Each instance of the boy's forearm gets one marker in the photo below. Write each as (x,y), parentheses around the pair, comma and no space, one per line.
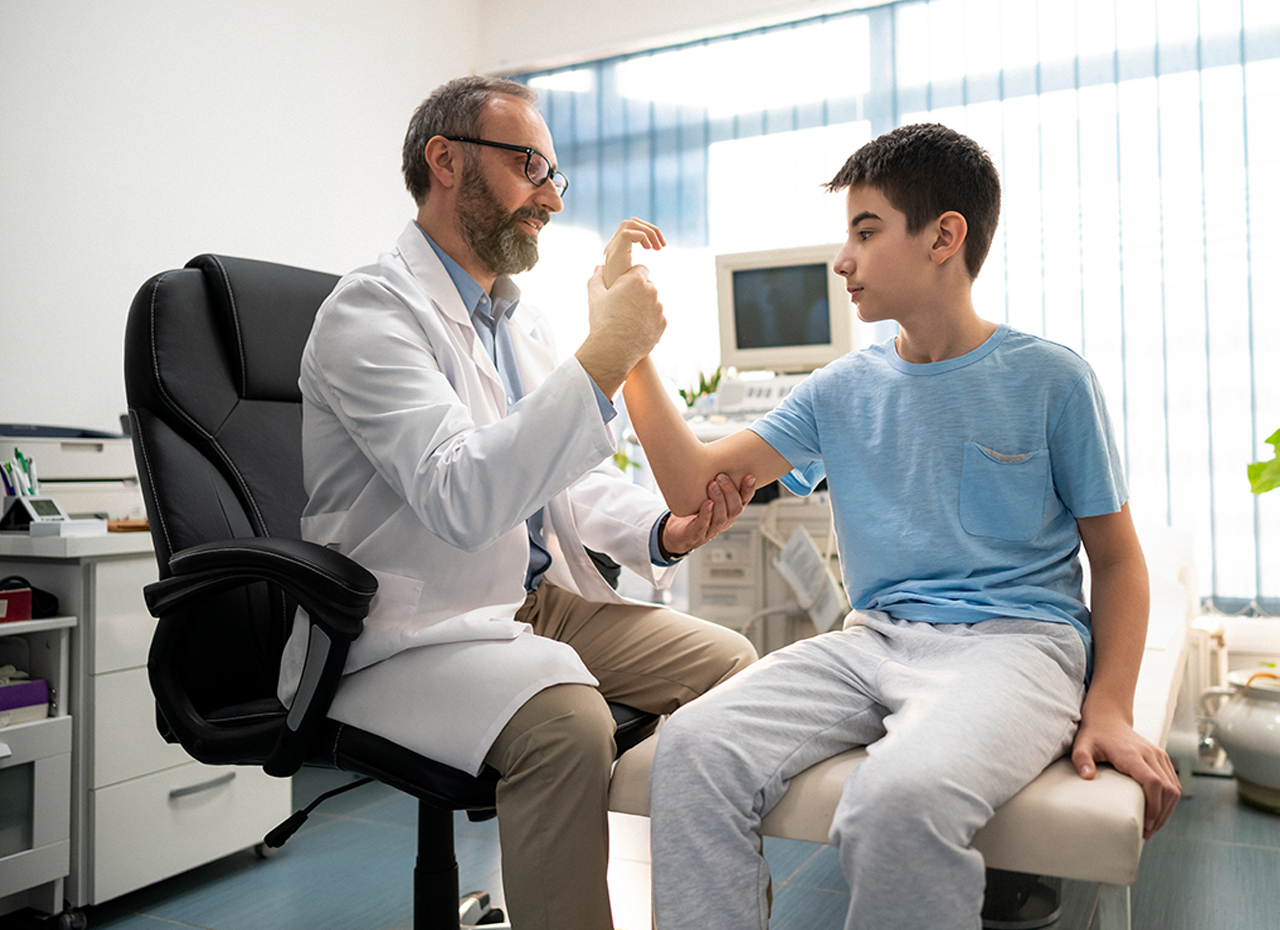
(678,459)
(1120,603)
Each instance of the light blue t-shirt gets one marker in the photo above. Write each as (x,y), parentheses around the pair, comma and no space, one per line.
(956,485)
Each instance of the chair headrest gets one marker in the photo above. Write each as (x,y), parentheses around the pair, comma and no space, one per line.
(264,312)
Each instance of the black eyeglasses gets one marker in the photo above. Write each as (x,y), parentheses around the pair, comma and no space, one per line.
(536,166)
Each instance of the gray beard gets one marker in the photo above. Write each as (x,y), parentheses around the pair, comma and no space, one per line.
(492,233)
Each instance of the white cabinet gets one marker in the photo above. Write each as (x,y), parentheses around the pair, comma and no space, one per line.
(141,809)
(35,780)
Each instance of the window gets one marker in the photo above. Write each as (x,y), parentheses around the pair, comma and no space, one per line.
(1140,158)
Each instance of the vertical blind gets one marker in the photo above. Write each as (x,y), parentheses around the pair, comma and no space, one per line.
(1138,147)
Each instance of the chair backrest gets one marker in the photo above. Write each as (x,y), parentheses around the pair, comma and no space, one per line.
(212,356)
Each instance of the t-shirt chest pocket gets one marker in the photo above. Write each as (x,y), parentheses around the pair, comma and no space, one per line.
(1002,494)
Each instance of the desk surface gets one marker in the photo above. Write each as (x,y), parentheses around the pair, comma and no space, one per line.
(20,545)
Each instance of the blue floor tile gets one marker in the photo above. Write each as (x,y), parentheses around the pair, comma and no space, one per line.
(799,908)
(1214,865)
(822,872)
(787,857)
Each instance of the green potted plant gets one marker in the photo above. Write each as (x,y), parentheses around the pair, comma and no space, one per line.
(707,386)
(1265,475)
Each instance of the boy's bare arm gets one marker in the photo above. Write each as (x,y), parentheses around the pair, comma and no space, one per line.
(1119,606)
(682,464)
(687,471)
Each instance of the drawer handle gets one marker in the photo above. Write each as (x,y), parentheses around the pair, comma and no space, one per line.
(202,786)
(5,751)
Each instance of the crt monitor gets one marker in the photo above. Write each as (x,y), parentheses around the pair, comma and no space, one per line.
(784,310)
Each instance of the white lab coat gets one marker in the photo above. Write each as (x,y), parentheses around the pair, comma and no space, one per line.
(416,468)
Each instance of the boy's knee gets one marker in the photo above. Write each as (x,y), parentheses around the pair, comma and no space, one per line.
(678,738)
(688,751)
(910,805)
(699,743)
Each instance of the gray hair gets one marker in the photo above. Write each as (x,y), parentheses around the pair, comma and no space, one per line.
(453,109)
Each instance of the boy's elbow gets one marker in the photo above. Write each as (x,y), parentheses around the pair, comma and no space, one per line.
(683,498)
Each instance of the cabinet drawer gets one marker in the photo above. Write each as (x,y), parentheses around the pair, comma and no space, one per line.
(150,828)
(122,627)
(126,743)
(35,803)
(24,742)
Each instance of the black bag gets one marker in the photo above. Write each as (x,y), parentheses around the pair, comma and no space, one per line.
(43,604)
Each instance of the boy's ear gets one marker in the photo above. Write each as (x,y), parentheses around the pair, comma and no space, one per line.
(443,160)
(951,230)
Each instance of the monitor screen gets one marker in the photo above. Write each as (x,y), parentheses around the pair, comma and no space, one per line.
(784,310)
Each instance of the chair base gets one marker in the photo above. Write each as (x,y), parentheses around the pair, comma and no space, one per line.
(435,881)
(1016,901)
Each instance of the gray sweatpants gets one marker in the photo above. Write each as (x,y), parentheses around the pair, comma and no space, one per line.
(957,718)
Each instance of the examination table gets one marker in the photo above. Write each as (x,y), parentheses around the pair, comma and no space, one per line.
(1058,825)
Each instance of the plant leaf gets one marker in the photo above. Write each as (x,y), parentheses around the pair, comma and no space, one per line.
(1264,476)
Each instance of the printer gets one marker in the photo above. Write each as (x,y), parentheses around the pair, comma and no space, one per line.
(90,473)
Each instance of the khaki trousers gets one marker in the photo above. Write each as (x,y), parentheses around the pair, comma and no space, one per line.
(556,752)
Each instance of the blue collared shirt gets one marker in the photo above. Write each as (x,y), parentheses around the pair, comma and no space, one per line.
(491,317)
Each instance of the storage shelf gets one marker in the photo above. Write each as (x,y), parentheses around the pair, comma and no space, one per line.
(18,627)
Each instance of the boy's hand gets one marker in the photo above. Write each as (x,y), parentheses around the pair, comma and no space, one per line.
(1116,742)
(617,254)
(723,505)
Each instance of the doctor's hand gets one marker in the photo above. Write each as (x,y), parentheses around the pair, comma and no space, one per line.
(626,321)
(617,254)
(723,505)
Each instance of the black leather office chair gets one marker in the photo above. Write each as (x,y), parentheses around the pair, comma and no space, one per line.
(212,354)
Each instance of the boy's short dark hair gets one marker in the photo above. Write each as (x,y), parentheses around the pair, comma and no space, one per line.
(925,170)
(453,109)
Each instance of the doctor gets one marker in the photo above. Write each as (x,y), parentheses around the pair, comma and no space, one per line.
(448,450)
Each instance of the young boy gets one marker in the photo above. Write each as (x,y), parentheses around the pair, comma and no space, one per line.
(966,463)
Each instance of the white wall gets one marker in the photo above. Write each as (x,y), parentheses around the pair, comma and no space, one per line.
(135,134)
(519,35)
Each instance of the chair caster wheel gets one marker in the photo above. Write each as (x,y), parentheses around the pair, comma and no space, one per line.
(474,910)
(70,919)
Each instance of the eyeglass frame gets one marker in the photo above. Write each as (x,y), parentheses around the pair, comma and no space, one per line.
(529,151)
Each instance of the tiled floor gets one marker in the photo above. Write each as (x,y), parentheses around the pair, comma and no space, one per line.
(1215,866)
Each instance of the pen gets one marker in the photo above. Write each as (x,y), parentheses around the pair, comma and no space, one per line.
(25,464)
(15,478)
(8,488)
(31,473)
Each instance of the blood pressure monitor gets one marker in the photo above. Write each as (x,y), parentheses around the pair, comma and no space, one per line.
(21,512)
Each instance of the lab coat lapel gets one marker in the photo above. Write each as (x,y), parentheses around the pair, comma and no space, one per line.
(427,268)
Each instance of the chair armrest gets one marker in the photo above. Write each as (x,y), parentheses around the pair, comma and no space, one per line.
(333,590)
